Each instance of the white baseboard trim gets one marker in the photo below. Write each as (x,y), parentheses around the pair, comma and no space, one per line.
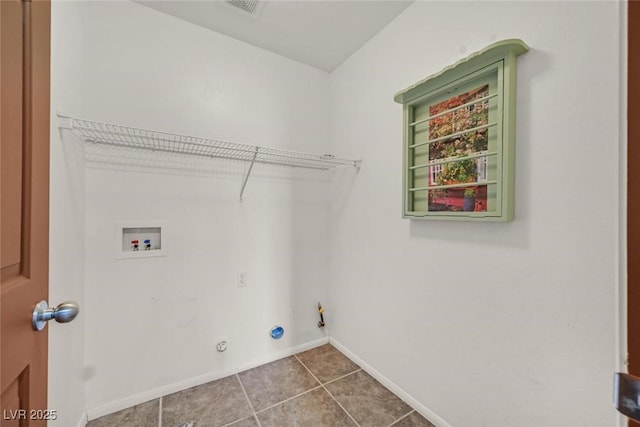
(83,420)
(139,398)
(406,397)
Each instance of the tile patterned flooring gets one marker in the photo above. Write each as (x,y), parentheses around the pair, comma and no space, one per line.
(315,388)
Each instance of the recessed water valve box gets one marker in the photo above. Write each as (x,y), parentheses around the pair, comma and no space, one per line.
(134,240)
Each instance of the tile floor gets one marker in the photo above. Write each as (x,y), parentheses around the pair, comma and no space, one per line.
(315,388)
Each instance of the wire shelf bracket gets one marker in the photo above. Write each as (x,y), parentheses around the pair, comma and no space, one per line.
(94,132)
(246,177)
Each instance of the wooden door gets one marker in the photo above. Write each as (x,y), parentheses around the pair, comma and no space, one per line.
(24,208)
(633,191)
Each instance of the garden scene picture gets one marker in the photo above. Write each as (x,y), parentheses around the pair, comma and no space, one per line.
(467,125)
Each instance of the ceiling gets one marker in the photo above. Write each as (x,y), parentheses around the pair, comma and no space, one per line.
(322,34)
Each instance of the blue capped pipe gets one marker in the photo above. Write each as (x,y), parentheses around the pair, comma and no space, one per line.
(276,332)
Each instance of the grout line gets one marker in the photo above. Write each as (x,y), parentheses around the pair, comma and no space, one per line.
(344,376)
(343,408)
(328,392)
(290,398)
(308,370)
(320,385)
(253,411)
(234,422)
(297,395)
(402,418)
(160,412)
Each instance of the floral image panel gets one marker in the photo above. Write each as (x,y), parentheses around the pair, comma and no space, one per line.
(468,199)
(462,118)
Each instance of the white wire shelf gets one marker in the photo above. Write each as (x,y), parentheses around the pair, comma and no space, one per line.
(124,136)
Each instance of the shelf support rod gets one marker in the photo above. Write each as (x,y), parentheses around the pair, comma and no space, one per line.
(246,178)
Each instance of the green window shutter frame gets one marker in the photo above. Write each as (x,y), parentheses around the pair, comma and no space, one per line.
(489,75)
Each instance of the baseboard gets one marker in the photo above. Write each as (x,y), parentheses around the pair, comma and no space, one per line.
(406,397)
(202,379)
(83,420)
(139,398)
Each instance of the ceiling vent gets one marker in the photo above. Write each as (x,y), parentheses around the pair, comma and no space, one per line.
(251,7)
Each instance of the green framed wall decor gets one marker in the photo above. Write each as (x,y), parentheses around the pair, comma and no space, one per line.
(459,138)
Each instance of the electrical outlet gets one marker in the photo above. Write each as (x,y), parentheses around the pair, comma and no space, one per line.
(242,280)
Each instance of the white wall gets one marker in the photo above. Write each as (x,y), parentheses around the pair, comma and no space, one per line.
(487,324)
(67,210)
(152,324)
(483,324)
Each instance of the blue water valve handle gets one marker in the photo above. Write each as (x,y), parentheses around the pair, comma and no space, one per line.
(147,245)
(277,332)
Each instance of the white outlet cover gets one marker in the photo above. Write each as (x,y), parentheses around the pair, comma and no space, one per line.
(243,280)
